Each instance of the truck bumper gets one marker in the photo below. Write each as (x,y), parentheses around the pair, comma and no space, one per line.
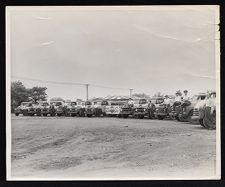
(89,112)
(195,118)
(140,113)
(58,111)
(125,113)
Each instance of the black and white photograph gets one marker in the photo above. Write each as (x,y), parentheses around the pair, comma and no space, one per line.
(113,92)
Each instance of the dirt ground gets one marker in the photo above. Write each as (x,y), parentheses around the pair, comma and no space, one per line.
(110,148)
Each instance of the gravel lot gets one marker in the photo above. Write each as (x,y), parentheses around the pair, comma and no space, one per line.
(110,148)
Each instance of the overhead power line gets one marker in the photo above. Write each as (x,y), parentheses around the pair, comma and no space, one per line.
(68,83)
(51,82)
(99,86)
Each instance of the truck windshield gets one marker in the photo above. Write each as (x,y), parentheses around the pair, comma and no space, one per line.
(58,104)
(26,104)
(142,101)
(159,101)
(201,97)
(115,104)
(105,103)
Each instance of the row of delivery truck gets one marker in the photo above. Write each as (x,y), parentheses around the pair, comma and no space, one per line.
(200,109)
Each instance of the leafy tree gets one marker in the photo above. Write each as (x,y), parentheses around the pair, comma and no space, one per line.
(38,93)
(158,94)
(56,99)
(19,93)
(141,95)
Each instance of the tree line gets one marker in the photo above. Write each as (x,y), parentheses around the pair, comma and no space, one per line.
(19,94)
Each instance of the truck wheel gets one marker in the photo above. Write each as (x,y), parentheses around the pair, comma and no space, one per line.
(125,116)
(59,115)
(17,114)
(45,114)
(183,119)
(160,117)
(177,118)
(141,117)
(209,119)
(73,115)
(201,123)
(89,115)
(81,113)
(98,112)
(150,116)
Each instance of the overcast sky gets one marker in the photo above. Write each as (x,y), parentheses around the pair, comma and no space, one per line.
(151,49)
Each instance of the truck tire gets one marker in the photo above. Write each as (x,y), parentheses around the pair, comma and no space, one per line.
(81,113)
(141,117)
(160,117)
(98,112)
(25,113)
(125,115)
(209,119)
(45,114)
(183,119)
(89,115)
(201,123)
(177,118)
(17,114)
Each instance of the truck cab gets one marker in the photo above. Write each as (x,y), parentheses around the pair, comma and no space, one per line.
(89,109)
(45,108)
(25,108)
(57,107)
(140,108)
(125,109)
(198,104)
(71,109)
(113,109)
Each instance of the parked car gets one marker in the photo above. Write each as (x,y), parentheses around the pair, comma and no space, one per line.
(104,103)
(207,113)
(99,108)
(18,110)
(89,109)
(188,107)
(44,108)
(57,108)
(198,102)
(26,108)
(71,109)
(114,108)
(154,106)
(163,110)
(125,110)
(140,108)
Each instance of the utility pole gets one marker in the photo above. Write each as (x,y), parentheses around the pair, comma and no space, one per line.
(131,90)
(86,91)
